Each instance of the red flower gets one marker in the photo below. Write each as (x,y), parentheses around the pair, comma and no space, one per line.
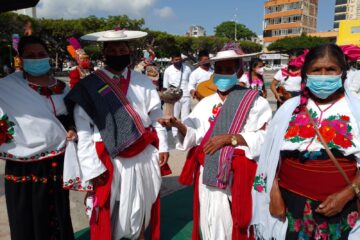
(15,179)
(42,154)
(54,164)
(345,118)
(70,181)
(342,141)
(352,218)
(77,179)
(23,179)
(33,178)
(292,132)
(10,156)
(3,124)
(307,131)
(328,133)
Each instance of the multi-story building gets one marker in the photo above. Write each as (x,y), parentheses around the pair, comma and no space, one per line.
(284,18)
(196,31)
(346,10)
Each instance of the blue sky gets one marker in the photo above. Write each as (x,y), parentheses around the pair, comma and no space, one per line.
(175,16)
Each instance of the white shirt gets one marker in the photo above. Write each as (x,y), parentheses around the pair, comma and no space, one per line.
(172,77)
(335,117)
(198,124)
(198,76)
(245,79)
(291,84)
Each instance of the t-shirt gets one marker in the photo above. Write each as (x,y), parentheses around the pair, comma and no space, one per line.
(172,77)
(198,76)
(352,82)
(291,84)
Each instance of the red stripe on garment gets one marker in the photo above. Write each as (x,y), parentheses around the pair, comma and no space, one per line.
(122,98)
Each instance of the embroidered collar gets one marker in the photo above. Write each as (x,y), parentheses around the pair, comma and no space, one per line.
(57,88)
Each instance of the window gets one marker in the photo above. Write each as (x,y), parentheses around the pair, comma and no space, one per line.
(355,29)
(336,25)
(339,2)
(340,17)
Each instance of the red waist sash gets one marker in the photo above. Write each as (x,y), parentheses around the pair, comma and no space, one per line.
(315,179)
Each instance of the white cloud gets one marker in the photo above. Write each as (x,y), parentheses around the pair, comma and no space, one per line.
(165,12)
(82,8)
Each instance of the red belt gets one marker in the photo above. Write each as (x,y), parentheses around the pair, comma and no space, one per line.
(315,179)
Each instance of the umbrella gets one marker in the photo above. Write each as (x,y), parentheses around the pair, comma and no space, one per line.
(6,5)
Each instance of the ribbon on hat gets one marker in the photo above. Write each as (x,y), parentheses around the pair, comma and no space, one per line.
(352,52)
(299,61)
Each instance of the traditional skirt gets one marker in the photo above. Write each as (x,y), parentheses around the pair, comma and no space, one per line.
(38,207)
(304,186)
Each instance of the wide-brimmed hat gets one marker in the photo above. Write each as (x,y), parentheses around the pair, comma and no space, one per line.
(230,51)
(114,35)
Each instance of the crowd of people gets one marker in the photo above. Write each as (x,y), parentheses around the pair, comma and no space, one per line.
(293,175)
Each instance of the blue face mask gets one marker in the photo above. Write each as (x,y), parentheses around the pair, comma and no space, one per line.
(36,67)
(322,86)
(225,82)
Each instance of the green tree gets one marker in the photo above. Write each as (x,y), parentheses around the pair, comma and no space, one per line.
(294,44)
(227,30)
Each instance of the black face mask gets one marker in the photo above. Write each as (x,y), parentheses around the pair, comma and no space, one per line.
(117,63)
(178,64)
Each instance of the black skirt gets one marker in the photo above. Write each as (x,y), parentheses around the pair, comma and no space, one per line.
(38,207)
(306,224)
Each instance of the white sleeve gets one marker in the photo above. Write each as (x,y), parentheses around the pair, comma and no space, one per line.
(155,112)
(254,130)
(166,78)
(278,76)
(192,81)
(244,79)
(91,166)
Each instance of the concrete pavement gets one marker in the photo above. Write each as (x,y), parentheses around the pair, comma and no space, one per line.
(79,220)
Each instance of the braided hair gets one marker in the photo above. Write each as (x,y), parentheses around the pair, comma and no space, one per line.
(331,50)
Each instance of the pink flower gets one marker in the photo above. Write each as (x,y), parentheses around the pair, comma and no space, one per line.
(352,218)
(309,226)
(302,119)
(297,225)
(340,126)
(259,188)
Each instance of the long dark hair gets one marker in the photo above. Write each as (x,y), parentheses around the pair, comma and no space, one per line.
(253,63)
(315,53)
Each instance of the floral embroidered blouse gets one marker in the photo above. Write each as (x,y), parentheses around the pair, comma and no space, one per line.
(336,124)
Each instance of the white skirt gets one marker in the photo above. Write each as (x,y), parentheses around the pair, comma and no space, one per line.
(135,187)
(215,212)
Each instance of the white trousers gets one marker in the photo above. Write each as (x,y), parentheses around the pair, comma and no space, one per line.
(181,111)
(215,212)
(135,187)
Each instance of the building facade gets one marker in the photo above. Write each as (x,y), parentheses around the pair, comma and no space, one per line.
(349,32)
(196,31)
(284,18)
(346,10)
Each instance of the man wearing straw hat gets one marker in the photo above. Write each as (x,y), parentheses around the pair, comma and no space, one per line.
(116,111)
(225,132)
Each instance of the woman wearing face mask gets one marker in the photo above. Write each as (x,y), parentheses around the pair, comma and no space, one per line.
(225,132)
(287,81)
(33,123)
(318,202)
(254,78)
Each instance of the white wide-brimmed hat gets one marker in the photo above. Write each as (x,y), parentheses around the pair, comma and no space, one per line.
(230,51)
(114,35)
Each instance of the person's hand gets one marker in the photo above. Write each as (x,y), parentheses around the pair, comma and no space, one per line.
(217,142)
(278,98)
(71,135)
(264,94)
(101,179)
(163,158)
(169,121)
(335,203)
(193,93)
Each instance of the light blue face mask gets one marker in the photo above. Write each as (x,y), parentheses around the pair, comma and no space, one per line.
(322,86)
(36,67)
(225,82)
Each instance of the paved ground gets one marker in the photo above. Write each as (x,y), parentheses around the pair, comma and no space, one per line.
(170,185)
